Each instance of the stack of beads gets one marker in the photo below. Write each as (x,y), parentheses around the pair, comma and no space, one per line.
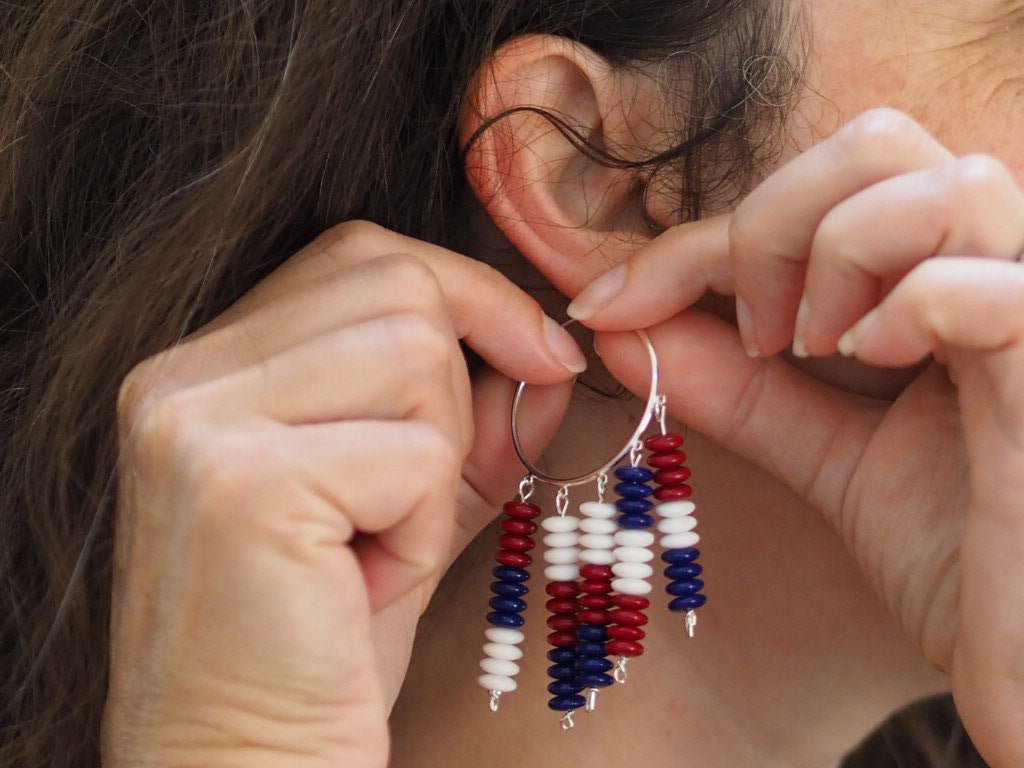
(501,651)
(677,525)
(562,572)
(597,542)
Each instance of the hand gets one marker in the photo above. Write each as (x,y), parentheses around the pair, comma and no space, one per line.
(295,476)
(881,224)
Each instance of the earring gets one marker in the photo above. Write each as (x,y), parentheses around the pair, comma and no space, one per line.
(597,564)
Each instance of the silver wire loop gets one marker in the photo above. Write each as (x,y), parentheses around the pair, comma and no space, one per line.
(562,501)
(567,722)
(690,622)
(540,476)
(602,486)
(495,700)
(526,488)
(621,674)
(636,453)
(661,413)
(592,699)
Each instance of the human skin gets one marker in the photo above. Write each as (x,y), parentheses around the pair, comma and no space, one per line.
(796,657)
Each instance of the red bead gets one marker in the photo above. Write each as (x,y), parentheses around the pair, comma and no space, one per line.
(666,460)
(667,442)
(632,634)
(597,587)
(521,510)
(632,602)
(519,527)
(516,543)
(515,559)
(596,572)
(563,639)
(562,605)
(673,492)
(563,623)
(672,476)
(597,602)
(623,648)
(562,588)
(628,618)
(595,617)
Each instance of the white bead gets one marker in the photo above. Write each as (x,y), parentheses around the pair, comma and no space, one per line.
(598,526)
(504,635)
(632,570)
(503,651)
(598,509)
(497,683)
(633,555)
(631,586)
(562,556)
(680,540)
(634,538)
(597,556)
(597,541)
(677,524)
(556,524)
(562,572)
(499,667)
(676,508)
(567,539)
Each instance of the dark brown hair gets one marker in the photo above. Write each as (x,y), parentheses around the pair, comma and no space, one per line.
(158,159)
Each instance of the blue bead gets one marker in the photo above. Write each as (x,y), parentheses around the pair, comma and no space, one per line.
(683,571)
(595,680)
(633,490)
(567,703)
(562,672)
(510,620)
(636,521)
(684,588)
(564,688)
(594,665)
(511,574)
(587,648)
(562,656)
(507,604)
(634,506)
(687,555)
(634,474)
(505,589)
(687,603)
(592,632)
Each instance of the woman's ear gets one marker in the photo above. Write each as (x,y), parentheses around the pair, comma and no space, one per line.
(571,215)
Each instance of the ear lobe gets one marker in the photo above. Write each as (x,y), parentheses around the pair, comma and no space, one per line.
(571,215)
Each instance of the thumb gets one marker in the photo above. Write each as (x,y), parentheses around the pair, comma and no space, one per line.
(492,470)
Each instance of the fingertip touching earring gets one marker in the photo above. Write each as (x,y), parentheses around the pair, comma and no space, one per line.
(597,563)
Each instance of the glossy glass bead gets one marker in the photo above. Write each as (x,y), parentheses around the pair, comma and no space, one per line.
(624,648)
(673,476)
(563,623)
(673,492)
(521,510)
(595,617)
(515,559)
(507,604)
(592,571)
(667,442)
(518,527)
(562,656)
(627,618)
(684,588)
(564,688)
(676,556)
(595,680)
(562,605)
(666,460)
(567,703)
(508,573)
(683,571)
(562,639)
(687,603)
(562,588)
(589,648)
(593,632)
(634,506)
(500,619)
(562,672)
(506,589)
(634,474)
(597,587)
(597,602)
(632,602)
(516,543)
(633,490)
(632,634)
(594,664)
(636,521)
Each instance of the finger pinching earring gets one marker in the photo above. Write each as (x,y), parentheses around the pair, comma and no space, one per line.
(597,564)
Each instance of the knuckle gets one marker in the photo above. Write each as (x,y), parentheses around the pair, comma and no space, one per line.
(877,130)
(743,232)
(407,274)
(225,471)
(980,175)
(832,242)
(435,450)
(352,234)
(416,339)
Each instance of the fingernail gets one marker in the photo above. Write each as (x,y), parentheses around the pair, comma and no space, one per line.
(800,331)
(850,340)
(745,321)
(564,347)
(598,294)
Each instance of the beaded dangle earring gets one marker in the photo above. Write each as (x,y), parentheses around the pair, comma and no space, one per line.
(597,565)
